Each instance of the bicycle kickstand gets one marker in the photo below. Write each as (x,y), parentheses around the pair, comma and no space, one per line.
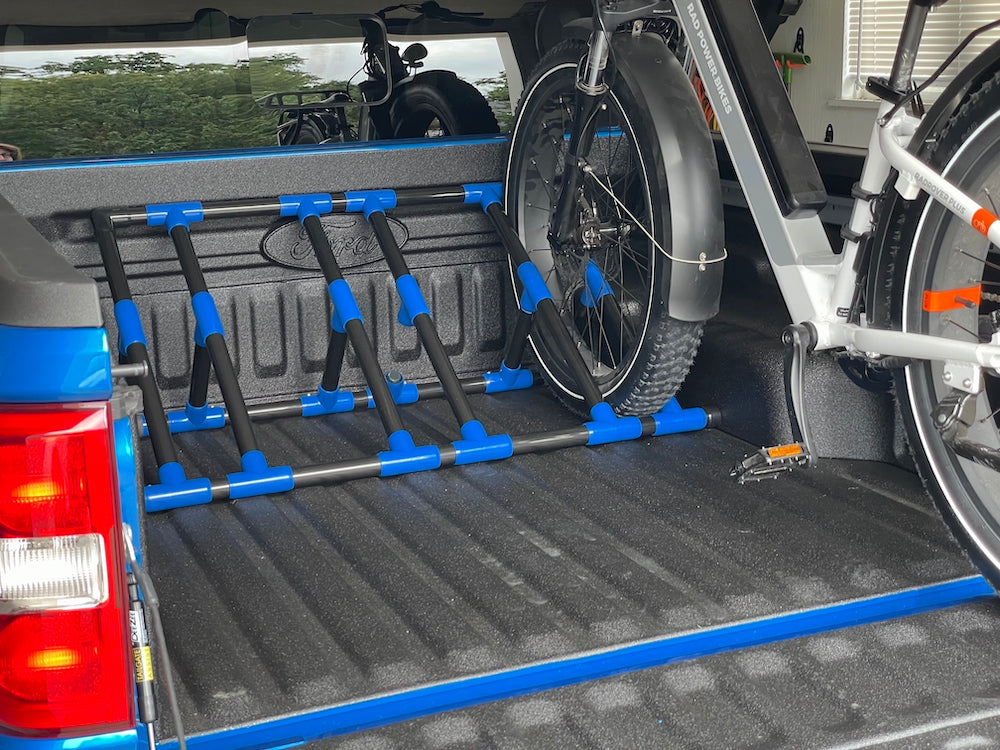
(769,462)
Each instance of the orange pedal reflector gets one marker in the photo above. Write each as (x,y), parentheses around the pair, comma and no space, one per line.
(784,451)
(981,220)
(952,299)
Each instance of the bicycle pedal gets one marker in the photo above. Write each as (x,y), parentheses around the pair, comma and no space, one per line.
(768,463)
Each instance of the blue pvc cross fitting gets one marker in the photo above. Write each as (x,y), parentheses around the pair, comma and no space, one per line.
(508,379)
(412,298)
(608,427)
(345,306)
(535,288)
(476,446)
(129,325)
(485,193)
(595,285)
(175,490)
(257,478)
(672,418)
(326,402)
(404,457)
(311,204)
(207,316)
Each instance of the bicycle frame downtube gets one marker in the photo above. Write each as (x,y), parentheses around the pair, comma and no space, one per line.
(798,248)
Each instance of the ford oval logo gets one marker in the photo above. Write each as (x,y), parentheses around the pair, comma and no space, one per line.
(351,237)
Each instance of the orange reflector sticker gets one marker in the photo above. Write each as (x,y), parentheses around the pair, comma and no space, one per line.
(783,451)
(952,299)
(981,220)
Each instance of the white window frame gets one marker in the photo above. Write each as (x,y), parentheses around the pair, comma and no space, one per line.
(878,29)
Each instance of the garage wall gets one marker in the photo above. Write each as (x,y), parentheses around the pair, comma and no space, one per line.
(816,90)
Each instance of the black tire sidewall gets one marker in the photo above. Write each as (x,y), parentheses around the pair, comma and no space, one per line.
(562,61)
(459,107)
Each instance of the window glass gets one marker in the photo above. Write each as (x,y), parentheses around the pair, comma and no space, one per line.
(873,28)
(168,89)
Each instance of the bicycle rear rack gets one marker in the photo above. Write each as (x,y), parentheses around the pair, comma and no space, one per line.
(384,393)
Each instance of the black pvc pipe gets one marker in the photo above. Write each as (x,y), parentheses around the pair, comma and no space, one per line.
(355,330)
(322,248)
(425,326)
(363,468)
(547,314)
(335,351)
(201,370)
(222,362)
(420,196)
(518,340)
(136,353)
(152,408)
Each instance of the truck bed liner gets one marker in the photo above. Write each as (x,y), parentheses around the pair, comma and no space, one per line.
(329,595)
(327,598)
(925,682)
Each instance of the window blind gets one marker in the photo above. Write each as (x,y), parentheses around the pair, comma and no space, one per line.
(873,28)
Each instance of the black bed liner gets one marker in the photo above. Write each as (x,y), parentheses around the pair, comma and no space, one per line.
(277,605)
(924,682)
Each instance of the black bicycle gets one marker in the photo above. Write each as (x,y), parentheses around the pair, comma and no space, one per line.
(397,100)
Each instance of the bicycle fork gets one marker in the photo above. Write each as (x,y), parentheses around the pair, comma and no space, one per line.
(587,102)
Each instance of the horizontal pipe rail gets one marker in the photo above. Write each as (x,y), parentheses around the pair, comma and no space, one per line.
(673,419)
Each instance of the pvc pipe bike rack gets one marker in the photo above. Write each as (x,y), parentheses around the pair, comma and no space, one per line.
(385,391)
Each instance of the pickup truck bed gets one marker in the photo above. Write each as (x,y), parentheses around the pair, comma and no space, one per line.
(330,596)
(358,606)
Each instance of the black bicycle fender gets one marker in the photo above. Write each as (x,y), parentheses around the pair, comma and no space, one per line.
(968,78)
(579,28)
(693,285)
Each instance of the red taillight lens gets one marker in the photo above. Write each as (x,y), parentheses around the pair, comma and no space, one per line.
(64,653)
(47,471)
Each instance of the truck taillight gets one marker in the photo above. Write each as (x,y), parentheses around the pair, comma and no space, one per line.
(64,647)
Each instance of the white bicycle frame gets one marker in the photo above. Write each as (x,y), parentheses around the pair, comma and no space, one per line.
(816,283)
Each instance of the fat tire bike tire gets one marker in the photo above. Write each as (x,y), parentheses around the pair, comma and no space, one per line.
(439,104)
(637,353)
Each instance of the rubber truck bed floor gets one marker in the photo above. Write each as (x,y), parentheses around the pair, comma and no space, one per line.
(325,596)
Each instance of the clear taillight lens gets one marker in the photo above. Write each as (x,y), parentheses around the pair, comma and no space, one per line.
(55,572)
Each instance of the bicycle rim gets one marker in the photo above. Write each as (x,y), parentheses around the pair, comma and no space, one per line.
(607,287)
(949,260)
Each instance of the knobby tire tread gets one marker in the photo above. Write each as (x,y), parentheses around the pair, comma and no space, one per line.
(669,347)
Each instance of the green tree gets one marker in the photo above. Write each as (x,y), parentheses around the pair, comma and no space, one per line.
(141,103)
(497,93)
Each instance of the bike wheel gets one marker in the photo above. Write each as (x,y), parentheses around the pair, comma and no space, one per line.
(939,254)
(637,354)
(436,104)
(309,131)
